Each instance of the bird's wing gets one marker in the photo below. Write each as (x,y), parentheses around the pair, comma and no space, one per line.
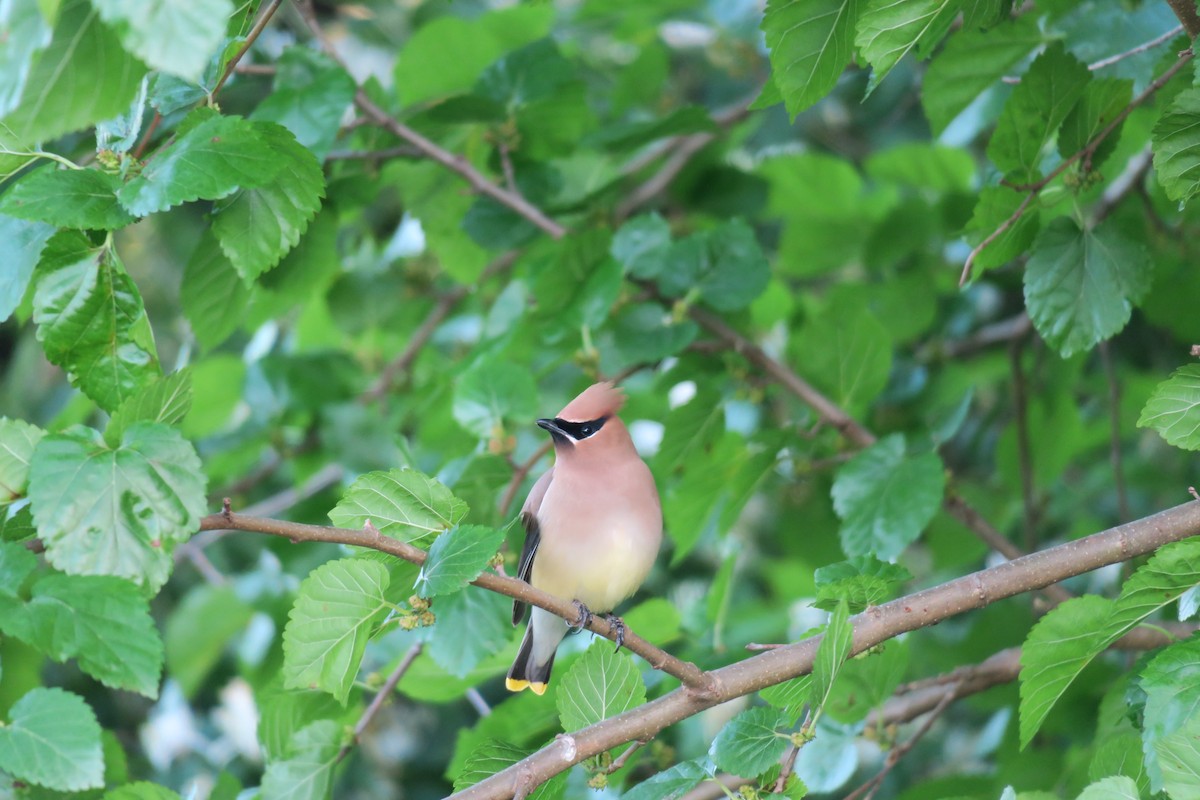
(533,536)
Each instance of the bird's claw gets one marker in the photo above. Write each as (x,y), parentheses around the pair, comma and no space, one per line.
(618,625)
(581,621)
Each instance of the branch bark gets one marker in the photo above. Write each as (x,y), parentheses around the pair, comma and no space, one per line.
(872,627)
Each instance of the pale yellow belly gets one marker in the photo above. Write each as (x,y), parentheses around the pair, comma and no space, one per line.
(599,569)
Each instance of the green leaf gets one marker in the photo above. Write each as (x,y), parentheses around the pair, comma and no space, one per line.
(447,55)
(214,297)
(669,784)
(143,790)
(167,400)
(21,244)
(17,563)
(1035,110)
(457,557)
(173,36)
(212,157)
(1174,408)
(831,654)
(600,684)
(1057,649)
(791,696)
(102,622)
(1116,787)
(309,98)
(1070,636)
(641,245)
(861,582)
(750,743)
(471,625)
(996,205)
(17,442)
(403,504)
(631,135)
(924,166)
(972,62)
(1171,682)
(256,227)
(885,498)
(82,77)
(307,772)
(846,351)
(193,650)
(52,739)
(103,511)
(285,713)
(867,681)
(1080,286)
(91,321)
(492,756)
(647,332)
(724,265)
(1179,757)
(526,75)
(67,198)
(25,31)
(1176,143)
(1100,104)
(887,30)
(656,620)
(338,606)
(811,42)
(493,395)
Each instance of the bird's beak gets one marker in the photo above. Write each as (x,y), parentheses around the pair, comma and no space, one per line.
(556,432)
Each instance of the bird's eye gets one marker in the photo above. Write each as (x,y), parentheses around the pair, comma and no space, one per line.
(586,430)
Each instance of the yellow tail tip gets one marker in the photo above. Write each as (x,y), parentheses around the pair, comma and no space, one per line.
(515,685)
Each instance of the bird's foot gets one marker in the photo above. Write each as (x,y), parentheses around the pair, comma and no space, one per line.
(618,625)
(581,622)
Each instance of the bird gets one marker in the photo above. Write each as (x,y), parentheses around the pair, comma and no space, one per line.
(593,526)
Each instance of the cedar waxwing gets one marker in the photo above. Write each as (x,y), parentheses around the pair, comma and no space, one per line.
(593,524)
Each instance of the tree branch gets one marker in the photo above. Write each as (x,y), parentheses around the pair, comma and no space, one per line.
(873,626)
(1185,10)
(1085,153)
(251,38)
(429,149)
(696,681)
(381,697)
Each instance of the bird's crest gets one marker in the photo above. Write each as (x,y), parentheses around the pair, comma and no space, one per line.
(596,401)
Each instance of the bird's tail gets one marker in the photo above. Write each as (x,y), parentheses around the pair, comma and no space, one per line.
(526,673)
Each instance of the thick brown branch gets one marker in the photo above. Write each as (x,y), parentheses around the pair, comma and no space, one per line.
(690,675)
(872,627)
(1185,10)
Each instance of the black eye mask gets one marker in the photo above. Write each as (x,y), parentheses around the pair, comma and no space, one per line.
(572,431)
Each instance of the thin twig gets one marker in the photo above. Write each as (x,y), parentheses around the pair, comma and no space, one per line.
(144,142)
(1085,153)
(380,698)
(420,337)
(1001,332)
(400,151)
(506,167)
(478,703)
(697,681)
(263,18)
(430,149)
(622,759)
(868,789)
(519,475)
(1114,420)
(1024,451)
(1110,60)
(1185,10)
